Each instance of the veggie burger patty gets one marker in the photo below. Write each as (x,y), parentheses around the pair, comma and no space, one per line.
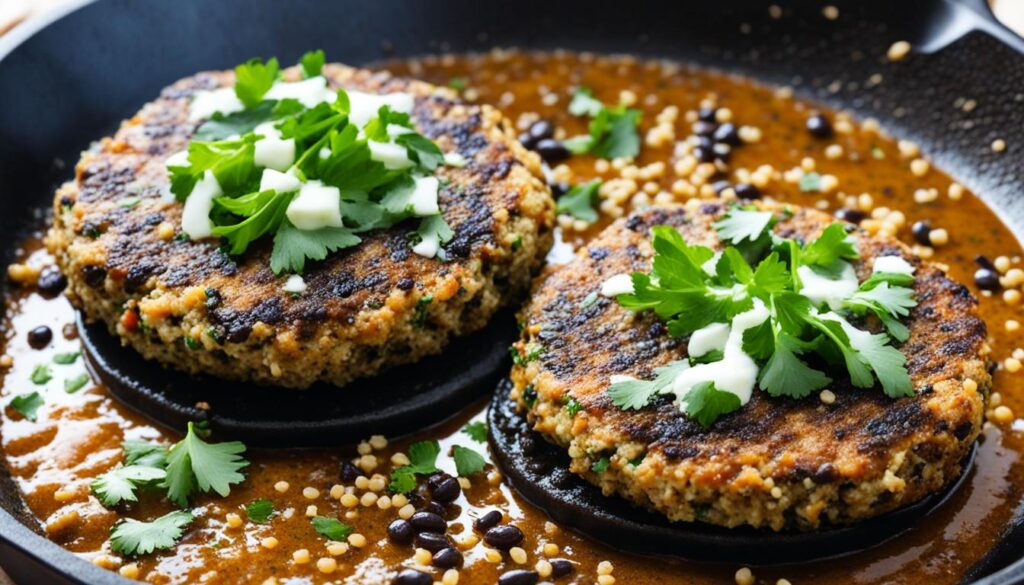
(775,462)
(190,305)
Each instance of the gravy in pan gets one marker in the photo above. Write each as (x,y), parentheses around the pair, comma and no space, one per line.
(78,435)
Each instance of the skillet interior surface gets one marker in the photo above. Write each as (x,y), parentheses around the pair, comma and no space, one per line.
(75,79)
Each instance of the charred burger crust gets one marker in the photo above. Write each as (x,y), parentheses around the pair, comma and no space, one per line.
(861,456)
(497,205)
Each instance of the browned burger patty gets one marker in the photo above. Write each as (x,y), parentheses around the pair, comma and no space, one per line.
(189,305)
(777,463)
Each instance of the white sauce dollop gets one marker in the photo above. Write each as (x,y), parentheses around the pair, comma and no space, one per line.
(429,246)
(278,181)
(310,92)
(271,151)
(822,289)
(393,156)
(195,217)
(708,339)
(892,264)
(294,285)
(364,106)
(620,284)
(736,372)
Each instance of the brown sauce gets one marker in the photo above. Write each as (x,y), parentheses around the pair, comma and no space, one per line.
(78,435)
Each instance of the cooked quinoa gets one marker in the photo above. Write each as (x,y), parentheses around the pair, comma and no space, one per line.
(778,463)
(190,306)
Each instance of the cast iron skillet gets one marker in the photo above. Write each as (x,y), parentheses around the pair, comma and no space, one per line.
(66,81)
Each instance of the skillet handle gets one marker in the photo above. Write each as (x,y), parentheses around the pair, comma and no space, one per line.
(952,19)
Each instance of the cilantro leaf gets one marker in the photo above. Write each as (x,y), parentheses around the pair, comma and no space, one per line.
(612,130)
(476,431)
(786,374)
(259,511)
(422,461)
(132,537)
(421,150)
(195,464)
(312,63)
(144,453)
(887,303)
(467,461)
(331,528)
(232,162)
(119,484)
(601,465)
(41,374)
(28,405)
(268,216)
(705,403)
(742,224)
(66,358)
(292,246)
(888,363)
(72,385)
(221,126)
(579,201)
(584,103)
(636,394)
(254,78)
(833,244)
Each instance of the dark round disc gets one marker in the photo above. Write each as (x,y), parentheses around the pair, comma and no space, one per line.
(399,401)
(539,471)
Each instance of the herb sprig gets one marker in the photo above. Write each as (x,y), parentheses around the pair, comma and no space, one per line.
(612,132)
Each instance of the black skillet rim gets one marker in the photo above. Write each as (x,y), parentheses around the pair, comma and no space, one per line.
(45,556)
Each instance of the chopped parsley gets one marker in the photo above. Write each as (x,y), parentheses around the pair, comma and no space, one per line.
(601,465)
(612,132)
(144,453)
(41,374)
(195,464)
(331,528)
(132,537)
(421,310)
(533,352)
(579,201)
(66,358)
(28,405)
(422,461)
(691,287)
(467,461)
(76,383)
(530,396)
(476,431)
(330,152)
(259,511)
(573,407)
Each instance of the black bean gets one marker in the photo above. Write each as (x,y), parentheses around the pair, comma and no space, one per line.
(559,189)
(707,114)
(518,577)
(705,141)
(349,472)
(40,337)
(447,558)
(728,134)
(428,522)
(487,521)
(446,490)
(854,216)
(503,537)
(921,231)
(702,128)
(746,191)
(552,150)
(541,129)
(528,142)
(432,541)
(984,262)
(94,275)
(560,567)
(986,279)
(401,532)
(720,186)
(819,126)
(413,577)
(51,281)
(435,508)
(704,155)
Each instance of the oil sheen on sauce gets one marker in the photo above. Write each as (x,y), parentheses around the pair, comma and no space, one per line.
(78,435)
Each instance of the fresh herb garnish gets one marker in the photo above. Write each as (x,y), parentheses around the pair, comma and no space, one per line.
(691,286)
(144,453)
(810,183)
(601,465)
(76,383)
(579,201)
(612,132)
(476,431)
(331,528)
(119,484)
(467,461)
(533,352)
(132,537)
(28,405)
(259,511)
(66,358)
(422,461)
(195,464)
(313,63)
(573,407)
(254,78)
(41,374)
